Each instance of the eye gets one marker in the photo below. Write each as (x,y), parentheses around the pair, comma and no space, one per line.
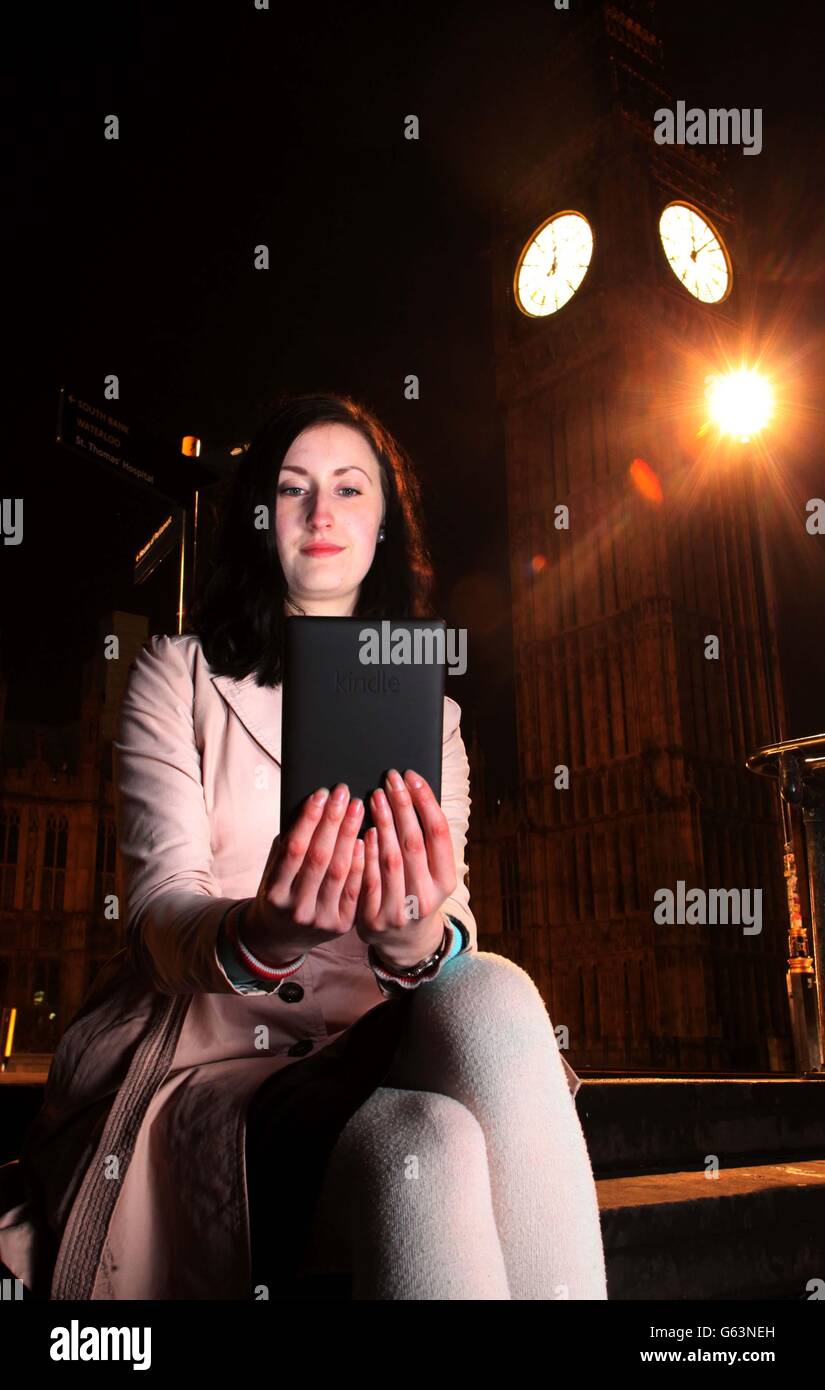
(295,487)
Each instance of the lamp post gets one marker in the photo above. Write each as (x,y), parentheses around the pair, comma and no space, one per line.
(221,462)
(741,406)
(799,767)
(188,553)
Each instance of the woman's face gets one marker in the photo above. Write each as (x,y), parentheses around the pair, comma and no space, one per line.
(328,494)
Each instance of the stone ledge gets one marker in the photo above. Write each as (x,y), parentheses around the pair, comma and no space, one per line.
(754,1232)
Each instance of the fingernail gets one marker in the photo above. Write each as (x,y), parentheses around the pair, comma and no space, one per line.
(413,779)
(356,805)
(321,795)
(339,794)
(395,779)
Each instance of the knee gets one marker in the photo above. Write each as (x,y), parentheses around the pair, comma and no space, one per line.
(397,1134)
(487,994)
(488,976)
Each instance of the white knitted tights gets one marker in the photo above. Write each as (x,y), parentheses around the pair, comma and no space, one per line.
(467,1177)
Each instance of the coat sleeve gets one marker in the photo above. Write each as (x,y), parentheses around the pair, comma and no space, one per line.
(173,907)
(455,803)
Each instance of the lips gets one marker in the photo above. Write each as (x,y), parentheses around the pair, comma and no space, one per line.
(321,549)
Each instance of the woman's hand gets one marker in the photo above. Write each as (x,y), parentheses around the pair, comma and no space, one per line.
(308,892)
(400,862)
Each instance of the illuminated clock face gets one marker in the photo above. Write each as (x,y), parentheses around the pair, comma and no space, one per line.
(553,264)
(696,253)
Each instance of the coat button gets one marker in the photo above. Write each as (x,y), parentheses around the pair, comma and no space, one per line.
(290,992)
(300,1049)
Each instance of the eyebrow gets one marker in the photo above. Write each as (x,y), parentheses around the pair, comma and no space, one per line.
(346,469)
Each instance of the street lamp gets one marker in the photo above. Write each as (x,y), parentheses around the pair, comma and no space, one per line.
(741,405)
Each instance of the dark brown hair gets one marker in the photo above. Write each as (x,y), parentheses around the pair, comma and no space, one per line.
(238,611)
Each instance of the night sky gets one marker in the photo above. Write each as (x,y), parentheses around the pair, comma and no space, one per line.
(240,127)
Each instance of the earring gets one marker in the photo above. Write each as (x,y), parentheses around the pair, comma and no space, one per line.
(382,535)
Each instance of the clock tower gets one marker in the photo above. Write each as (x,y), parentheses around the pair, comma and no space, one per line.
(637,625)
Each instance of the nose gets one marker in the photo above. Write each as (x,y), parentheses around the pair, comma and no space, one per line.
(319,515)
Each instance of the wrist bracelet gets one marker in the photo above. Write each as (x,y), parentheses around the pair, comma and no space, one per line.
(258,967)
(412,974)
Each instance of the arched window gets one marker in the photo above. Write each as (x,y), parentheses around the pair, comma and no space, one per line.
(105,860)
(9,851)
(510,905)
(54,863)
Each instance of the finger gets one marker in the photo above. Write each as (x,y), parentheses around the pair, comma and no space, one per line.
(332,885)
(287,853)
(352,887)
(390,859)
(436,827)
(417,879)
(317,857)
(369,904)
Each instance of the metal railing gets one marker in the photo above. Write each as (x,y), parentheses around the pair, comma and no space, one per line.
(798,764)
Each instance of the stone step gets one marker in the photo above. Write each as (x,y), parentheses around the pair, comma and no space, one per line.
(636,1125)
(752,1232)
(630,1127)
(757,1230)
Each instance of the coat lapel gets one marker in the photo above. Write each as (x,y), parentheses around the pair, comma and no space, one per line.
(258,707)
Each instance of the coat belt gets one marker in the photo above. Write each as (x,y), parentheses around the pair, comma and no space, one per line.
(81,1248)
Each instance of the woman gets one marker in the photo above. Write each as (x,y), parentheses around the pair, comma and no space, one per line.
(281,1076)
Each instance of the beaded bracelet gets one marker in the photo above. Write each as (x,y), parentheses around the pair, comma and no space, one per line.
(258,967)
(452,944)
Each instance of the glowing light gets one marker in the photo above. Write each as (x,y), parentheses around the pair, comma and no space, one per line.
(740,403)
(645,480)
(190,446)
(152,539)
(553,264)
(696,252)
(538,563)
(9,1040)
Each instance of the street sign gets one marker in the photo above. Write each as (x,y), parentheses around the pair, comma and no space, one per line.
(97,431)
(165,539)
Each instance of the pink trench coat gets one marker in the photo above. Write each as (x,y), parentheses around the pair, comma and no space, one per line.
(133,1178)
